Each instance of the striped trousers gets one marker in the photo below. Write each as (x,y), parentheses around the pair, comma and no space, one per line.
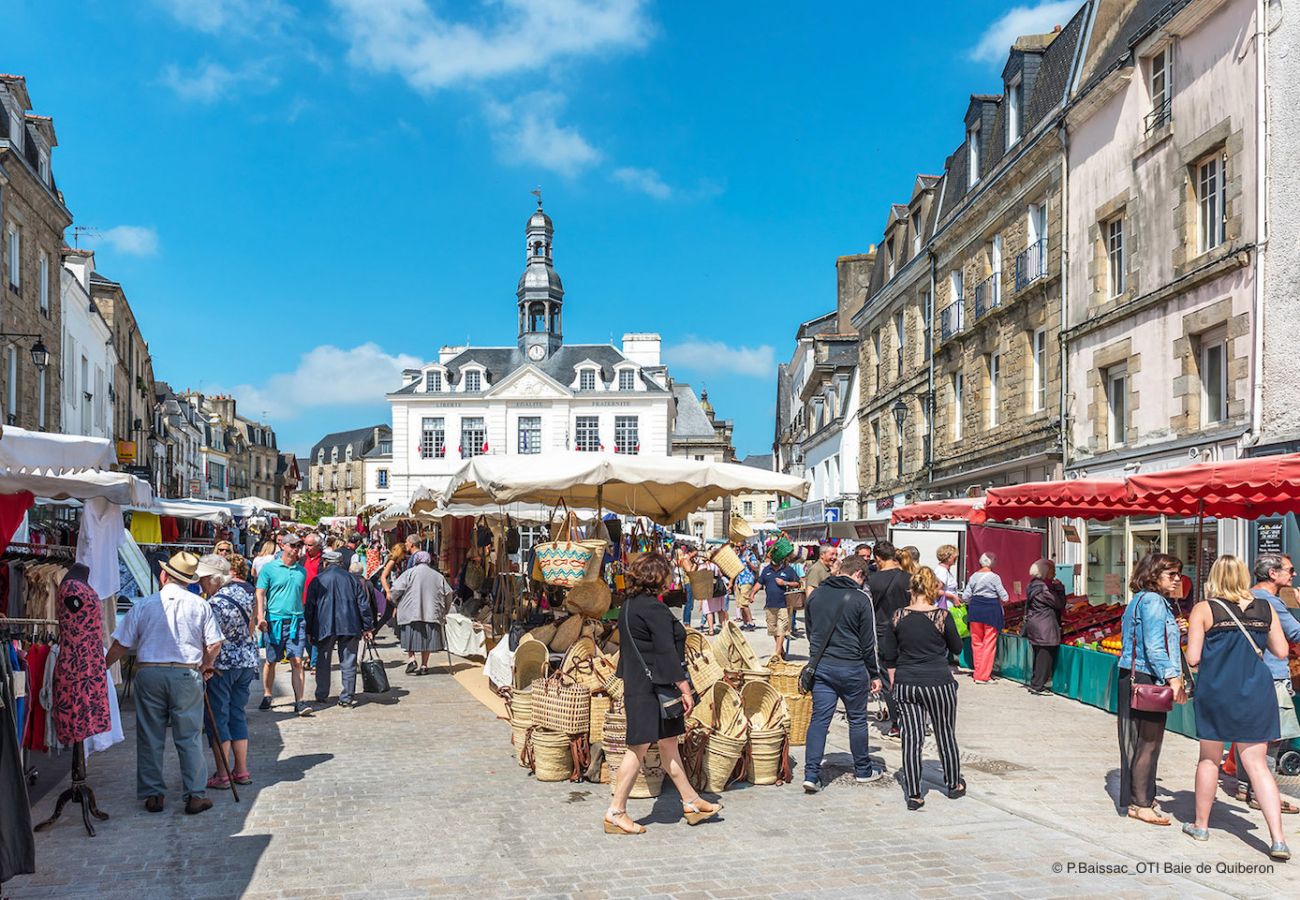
(915,702)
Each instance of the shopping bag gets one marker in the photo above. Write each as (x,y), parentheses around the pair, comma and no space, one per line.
(374,678)
(958,614)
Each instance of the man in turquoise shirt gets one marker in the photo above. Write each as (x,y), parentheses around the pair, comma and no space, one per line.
(280,586)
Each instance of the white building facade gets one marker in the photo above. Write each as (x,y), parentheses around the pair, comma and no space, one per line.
(88,356)
(540,395)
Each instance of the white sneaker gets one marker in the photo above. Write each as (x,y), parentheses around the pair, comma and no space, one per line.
(876,775)
(811,787)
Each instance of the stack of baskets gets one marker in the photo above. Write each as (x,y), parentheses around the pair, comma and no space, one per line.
(530,665)
(650,780)
(769,733)
(737,658)
(717,736)
(785,679)
(561,722)
(701,665)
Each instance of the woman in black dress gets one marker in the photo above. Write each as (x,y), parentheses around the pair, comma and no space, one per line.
(653,645)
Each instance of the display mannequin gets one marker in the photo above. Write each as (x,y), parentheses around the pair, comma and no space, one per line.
(80,686)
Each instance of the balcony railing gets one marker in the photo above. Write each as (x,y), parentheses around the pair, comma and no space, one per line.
(952,319)
(988,295)
(1031,264)
(1160,114)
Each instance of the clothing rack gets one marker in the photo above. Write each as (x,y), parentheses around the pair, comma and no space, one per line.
(50,551)
(184,545)
(40,628)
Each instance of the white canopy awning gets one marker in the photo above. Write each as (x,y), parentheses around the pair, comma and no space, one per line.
(23,449)
(184,509)
(263,505)
(665,489)
(425,507)
(65,467)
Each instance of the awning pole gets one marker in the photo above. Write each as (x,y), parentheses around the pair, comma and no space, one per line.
(1200,535)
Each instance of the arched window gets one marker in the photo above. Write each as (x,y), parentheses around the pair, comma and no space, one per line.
(537,248)
(334,454)
(349,455)
(555,320)
(320,457)
(537,317)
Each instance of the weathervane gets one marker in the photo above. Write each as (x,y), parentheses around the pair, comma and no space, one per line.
(538,194)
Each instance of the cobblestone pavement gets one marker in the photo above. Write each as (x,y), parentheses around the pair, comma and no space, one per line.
(416,794)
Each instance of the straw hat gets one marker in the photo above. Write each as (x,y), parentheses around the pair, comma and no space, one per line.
(182,567)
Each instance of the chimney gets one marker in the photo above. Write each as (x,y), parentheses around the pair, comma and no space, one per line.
(642,348)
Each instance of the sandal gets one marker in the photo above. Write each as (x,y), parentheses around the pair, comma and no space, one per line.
(241,778)
(699,810)
(614,827)
(412,667)
(958,791)
(219,783)
(1148,815)
(915,803)
(1288,808)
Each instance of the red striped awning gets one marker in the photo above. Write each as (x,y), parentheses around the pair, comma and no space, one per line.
(1237,489)
(962,508)
(1088,498)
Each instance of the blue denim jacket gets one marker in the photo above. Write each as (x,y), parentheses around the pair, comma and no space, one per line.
(1152,612)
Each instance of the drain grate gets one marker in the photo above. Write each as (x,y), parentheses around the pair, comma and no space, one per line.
(993,766)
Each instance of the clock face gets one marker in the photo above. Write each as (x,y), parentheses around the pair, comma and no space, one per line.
(536,352)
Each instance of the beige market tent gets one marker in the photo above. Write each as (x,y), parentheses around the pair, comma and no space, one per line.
(264,505)
(665,489)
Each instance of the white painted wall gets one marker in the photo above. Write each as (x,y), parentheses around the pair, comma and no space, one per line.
(86,337)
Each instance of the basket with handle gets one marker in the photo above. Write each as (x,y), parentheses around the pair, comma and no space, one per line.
(764,707)
(725,558)
(785,675)
(649,781)
(739,530)
(531,662)
(769,752)
(553,756)
(561,706)
(732,650)
(520,707)
(600,706)
(782,549)
(565,560)
(700,664)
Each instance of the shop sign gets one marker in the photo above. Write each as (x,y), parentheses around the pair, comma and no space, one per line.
(1268,537)
(194,487)
(885,503)
(125,451)
(810,513)
(1071,533)
(143,472)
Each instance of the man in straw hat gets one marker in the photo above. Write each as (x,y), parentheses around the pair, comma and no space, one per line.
(175,638)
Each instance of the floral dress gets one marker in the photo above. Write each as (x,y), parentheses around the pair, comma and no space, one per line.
(233,607)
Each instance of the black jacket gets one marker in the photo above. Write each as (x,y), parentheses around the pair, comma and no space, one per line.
(1044,605)
(336,605)
(853,639)
(658,635)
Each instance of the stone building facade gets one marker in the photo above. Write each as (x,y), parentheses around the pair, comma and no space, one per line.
(33,218)
(337,466)
(700,435)
(132,390)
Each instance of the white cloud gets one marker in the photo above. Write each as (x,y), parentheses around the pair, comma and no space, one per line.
(715,356)
(210,81)
(131,240)
(431,51)
(1020,20)
(526,131)
(647,181)
(228,16)
(326,377)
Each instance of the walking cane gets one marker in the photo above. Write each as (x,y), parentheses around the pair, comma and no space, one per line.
(216,748)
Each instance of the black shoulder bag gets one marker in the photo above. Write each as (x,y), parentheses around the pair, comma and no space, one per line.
(809,672)
(668,697)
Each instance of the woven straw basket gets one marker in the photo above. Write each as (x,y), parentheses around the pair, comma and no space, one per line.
(766,747)
(800,715)
(561,707)
(521,719)
(764,707)
(552,757)
(649,781)
(530,662)
(720,757)
(726,559)
(600,704)
(700,664)
(785,675)
(739,530)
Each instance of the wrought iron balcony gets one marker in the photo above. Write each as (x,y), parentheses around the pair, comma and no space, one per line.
(1160,114)
(952,319)
(988,295)
(1031,264)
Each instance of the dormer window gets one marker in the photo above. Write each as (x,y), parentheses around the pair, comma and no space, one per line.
(320,457)
(627,380)
(973,154)
(348,454)
(473,380)
(1015,109)
(587,380)
(432,382)
(43,166)
(334,454)
(889,257)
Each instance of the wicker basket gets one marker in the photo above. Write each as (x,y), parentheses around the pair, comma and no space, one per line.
(800,715)
(725,558)
(739,530)
(614,733)
(719,710)
(585,665)
(764,707)
(700,664)
(649,781)
(732,650)
(560,707)
(551,755)
(530,662)
(721,754)
(767,748)
(520,706)
(785,675)
(600,704)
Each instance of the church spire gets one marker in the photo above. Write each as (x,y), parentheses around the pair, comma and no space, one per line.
(540,292)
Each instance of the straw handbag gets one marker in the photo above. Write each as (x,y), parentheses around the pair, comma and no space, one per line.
(739,530)
(725,558)
(553,756)
(589,598)
(700,664)
(584,665)
(800,715)
(560,706)
(768,760)
(785,675)
(732,650)
(565,561)
(764,707)
(530,663)
(567,633)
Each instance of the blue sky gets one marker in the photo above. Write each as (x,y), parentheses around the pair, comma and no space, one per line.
(301,199)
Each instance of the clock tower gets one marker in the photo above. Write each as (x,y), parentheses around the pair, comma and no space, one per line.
(540,292)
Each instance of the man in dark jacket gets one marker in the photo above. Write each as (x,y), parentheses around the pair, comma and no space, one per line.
(842,649)
(337,613)
(890,588)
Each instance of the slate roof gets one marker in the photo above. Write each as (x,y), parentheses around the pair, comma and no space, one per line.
(561,365)
(1049,91)
(361,440)
(690,421)
(758,461)
(1116,48)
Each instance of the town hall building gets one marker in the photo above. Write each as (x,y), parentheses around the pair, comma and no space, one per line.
(539,395)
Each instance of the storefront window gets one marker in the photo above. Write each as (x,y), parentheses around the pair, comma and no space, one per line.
(1107,570)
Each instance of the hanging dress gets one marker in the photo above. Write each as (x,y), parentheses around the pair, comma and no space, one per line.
(81,707)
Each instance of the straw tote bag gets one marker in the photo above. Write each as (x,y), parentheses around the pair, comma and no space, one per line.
(564,561)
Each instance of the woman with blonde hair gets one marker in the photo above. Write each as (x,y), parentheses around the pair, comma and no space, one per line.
(266,552)
(949,590)
(1227,634)
(907,560)
(914,646)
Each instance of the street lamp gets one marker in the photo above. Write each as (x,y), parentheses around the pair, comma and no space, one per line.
(900,414)
(40,355)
